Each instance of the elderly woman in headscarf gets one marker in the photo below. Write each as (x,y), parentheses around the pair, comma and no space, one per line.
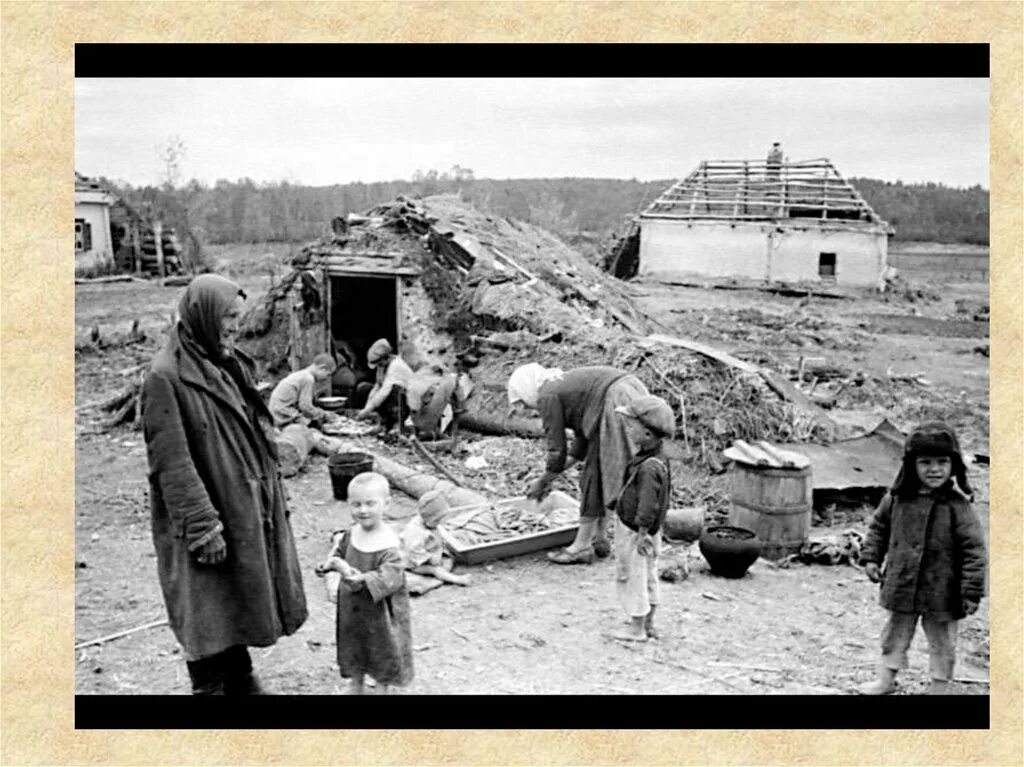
(583,400)
(226,557)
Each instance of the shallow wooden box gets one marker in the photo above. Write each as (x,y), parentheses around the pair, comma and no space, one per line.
(516,545)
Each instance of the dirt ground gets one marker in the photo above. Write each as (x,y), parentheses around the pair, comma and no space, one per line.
(525,626)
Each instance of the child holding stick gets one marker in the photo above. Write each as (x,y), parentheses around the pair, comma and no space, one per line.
(934,552)
(373,627)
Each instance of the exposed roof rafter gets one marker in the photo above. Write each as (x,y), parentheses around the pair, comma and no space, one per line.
(758,190)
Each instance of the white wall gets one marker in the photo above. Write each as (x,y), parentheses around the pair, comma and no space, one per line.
(860,256)
(98,217)
(668,246)
(759,251)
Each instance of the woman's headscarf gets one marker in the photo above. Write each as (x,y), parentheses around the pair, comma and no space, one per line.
(525,382)
(934,438)
(202,307)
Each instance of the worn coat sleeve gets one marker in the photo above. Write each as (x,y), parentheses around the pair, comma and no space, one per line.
(381,390)
(553,418)
(389,576)
(650,482)
(876,544)
(971,542)
(337,544)
(580,445)
(171,467)
(306,406)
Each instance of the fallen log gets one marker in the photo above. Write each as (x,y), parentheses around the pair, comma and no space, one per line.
(111,278)
(416,484)
(516,426)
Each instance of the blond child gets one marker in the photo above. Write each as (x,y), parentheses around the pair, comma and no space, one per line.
(373,627)
(641,507)
(422,547)
(932,544)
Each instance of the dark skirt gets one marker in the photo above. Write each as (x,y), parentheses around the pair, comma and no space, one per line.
(374,638)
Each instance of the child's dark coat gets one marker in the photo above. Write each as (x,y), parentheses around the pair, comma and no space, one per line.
(934,551)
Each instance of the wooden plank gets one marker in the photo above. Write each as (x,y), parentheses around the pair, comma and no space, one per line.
(708,351)
(790,393)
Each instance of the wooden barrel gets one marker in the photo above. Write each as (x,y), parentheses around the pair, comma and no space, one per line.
(774,503)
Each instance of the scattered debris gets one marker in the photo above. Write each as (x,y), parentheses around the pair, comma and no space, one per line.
(841,549)
(119,634)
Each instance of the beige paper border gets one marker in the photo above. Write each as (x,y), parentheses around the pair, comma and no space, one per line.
(38,373)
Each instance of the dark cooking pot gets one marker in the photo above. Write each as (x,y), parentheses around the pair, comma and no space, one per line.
(730,551)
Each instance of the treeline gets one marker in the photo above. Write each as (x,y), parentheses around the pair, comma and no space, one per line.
(579,209)
(929,212)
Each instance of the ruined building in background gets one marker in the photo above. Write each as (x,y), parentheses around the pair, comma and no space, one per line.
(757,219)
(93,246)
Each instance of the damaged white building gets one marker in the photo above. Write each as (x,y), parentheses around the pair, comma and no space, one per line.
(769,221)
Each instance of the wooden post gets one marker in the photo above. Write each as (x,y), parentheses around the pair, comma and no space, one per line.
(158,236)
(133,237)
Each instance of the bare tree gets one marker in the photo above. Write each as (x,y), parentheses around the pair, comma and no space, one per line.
(171,155)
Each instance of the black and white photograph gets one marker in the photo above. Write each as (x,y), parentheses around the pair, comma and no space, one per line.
(532,386)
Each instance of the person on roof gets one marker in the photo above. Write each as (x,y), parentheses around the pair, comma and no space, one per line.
(387,395)
(775,160)
(583,400)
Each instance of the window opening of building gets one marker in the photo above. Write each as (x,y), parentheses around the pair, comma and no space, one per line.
(83,235)
(827,266)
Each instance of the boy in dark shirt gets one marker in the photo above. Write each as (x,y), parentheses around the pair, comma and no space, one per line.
(641,507)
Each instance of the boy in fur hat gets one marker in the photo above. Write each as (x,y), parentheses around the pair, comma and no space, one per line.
(933,548)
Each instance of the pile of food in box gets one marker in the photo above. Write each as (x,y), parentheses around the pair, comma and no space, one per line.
(344,426)
(502,520)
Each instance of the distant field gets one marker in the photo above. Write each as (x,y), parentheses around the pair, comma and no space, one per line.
(956,265)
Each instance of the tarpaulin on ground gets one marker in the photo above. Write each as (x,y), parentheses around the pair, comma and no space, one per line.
(868,462)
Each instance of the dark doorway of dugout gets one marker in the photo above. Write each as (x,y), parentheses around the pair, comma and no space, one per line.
(362,309)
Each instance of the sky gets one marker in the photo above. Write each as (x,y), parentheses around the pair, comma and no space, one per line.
(322,131)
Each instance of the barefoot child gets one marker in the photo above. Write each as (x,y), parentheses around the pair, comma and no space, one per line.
(373,633)
(932,543)
(422,548)
(641,506)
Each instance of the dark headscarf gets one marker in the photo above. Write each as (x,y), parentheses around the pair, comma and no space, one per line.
(200,320)
(201,310)
(930,439)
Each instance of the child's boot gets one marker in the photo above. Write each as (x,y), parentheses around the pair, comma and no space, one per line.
(939,687)
(884,685)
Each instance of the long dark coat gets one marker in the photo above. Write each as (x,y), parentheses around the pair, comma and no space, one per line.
(934,552)
(212,464)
